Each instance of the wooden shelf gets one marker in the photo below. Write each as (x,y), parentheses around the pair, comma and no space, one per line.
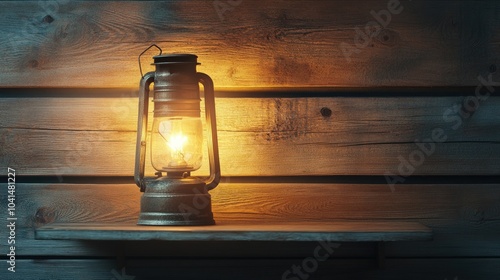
(348,231)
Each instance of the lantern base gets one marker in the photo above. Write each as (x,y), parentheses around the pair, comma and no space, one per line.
(175,202)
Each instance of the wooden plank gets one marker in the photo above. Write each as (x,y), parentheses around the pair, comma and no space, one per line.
(260,136)
(96,44)
(220,269)
(348,231)
(464,218)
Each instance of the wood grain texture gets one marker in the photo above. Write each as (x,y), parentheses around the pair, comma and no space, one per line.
(349,231)
(260,136)
(465,219)
(226,268)
(96,44)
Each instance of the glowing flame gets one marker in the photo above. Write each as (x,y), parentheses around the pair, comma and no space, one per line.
(176,142)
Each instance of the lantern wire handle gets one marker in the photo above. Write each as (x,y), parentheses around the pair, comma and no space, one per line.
(140,67)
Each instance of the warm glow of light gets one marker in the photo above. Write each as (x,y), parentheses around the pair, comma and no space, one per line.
(176,142)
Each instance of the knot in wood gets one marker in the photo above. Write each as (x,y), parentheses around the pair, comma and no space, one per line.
(44,215)
(48,19)
(326,112)
(388,37)
(475,215)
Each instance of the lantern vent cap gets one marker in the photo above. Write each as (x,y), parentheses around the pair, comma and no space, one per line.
(175,58)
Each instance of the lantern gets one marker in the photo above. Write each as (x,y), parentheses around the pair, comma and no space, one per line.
(173,196)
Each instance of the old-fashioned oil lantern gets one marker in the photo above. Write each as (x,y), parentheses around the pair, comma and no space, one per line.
(173,196)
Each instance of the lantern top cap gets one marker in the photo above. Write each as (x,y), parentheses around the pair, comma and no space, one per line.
(175,58)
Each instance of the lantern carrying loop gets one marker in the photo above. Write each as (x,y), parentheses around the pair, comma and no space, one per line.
(153,45)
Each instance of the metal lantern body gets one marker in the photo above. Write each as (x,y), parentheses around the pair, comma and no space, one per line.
(174,197)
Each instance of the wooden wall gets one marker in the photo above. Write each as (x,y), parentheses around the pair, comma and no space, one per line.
(278,43)
(68,110)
